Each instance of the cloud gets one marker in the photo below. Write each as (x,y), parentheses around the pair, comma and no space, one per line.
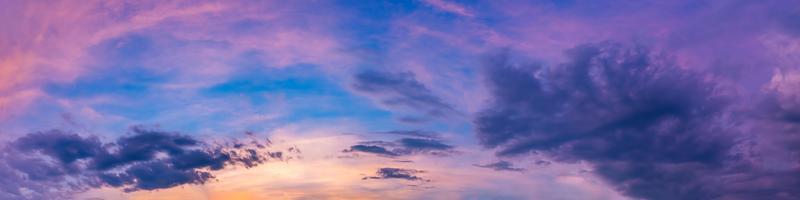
(502,166)
(782,99)
(114,50)
(412,133)
(769,157)
(397,173)
(424,144)
(55,163)
(371,149)
(403,147)
(402,90)
(64,147)
(650,128)
(450,7)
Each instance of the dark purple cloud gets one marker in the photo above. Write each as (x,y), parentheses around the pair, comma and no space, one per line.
(404,146)
(397,173)
(402,90)
(371,149)
(144,145)
(424,144)
(413,133)
(65,147)
(55,163)
(501,166)
(652,129)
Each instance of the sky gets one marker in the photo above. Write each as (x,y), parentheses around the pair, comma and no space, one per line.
(415,99)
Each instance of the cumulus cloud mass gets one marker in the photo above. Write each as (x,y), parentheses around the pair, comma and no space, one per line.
(146,159)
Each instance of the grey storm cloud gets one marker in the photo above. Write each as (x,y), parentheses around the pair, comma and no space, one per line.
(651,129)
(401,89)
(54,163)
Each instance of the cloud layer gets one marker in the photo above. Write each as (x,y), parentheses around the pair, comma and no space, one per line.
(697,100)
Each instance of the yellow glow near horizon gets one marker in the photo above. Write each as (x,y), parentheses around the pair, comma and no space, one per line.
(322,174)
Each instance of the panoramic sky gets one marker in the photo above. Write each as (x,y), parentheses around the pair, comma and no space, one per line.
(417,99)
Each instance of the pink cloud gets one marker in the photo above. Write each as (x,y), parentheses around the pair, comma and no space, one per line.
(46,42)
(450,7)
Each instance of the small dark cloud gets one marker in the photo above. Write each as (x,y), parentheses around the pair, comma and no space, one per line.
(502,166)
(397,173)
(424,144)
(379,143)
(402,90)
(542,163)
(402,147)
(371,149)
(55,163)
(412,133)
